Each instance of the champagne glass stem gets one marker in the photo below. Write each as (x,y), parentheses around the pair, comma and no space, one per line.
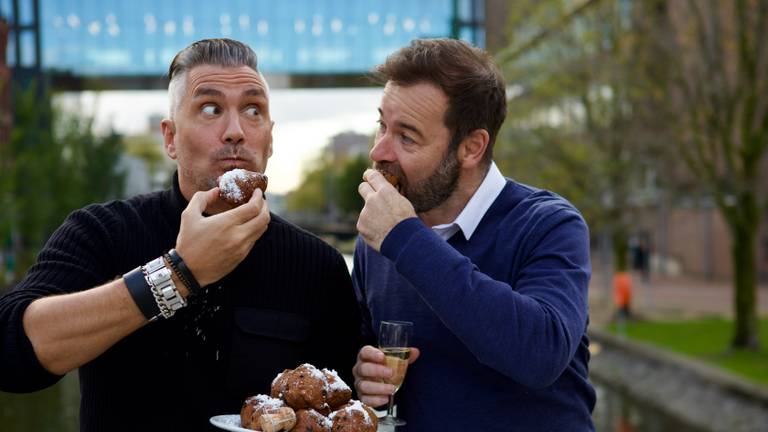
(391,405)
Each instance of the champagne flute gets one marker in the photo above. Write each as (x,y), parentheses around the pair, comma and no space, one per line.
(394,338)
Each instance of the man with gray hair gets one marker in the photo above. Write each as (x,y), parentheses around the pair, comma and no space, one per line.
(244,293)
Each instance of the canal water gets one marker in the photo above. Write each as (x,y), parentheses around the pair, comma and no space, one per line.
(617,411)
(56,410)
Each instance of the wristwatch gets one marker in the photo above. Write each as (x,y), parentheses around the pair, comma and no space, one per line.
(168,298)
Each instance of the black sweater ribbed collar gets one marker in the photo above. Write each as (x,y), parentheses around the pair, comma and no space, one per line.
(177,202)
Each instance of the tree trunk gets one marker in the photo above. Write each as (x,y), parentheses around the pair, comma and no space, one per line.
(620,245)
(745,278)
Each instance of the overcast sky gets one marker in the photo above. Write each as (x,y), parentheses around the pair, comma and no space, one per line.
(304,120)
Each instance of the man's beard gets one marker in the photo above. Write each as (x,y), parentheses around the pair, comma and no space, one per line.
(201,181)
(432,191)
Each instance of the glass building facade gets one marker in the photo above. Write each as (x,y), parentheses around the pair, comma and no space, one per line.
(140,37)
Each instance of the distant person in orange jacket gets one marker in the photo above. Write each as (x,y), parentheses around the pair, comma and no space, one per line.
(622,293)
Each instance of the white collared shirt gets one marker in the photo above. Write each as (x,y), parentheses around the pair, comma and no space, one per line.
(470,216)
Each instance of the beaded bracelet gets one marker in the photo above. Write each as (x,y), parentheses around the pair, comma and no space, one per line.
(181,271)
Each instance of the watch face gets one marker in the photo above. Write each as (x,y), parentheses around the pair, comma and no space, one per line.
(154,265)
(166,294)
(160,277)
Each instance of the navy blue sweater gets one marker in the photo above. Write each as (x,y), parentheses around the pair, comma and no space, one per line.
(500,319)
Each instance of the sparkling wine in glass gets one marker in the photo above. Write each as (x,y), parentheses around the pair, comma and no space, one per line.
(394,338)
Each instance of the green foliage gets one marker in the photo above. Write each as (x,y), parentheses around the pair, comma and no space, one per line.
(347,198)
(716,75)
(574,127)
(329,187)
(48,171)
(547,158)
(707,340)
(89,164)
(613,93)
(311,195)
(146,148)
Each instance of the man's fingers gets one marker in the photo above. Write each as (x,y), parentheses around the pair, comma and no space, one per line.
(257,193)
(374,371)
(414,355)
(258,224)
(249,210)
(365,190)
(370,364)
(369,372)
(374,401)
(373,388)
(375,178)
(370,354)
(202,199)
(368,172)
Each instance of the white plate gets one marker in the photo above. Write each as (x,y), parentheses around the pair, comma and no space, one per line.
(230,422)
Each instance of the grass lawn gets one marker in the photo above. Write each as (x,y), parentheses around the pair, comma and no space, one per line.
(707,340)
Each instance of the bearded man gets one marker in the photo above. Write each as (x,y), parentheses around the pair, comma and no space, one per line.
(492,273)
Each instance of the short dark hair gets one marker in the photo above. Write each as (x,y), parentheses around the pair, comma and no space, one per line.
(219,52)
(466,74)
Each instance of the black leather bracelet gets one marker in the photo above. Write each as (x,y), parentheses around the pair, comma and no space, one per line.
(141,293)
(183,273)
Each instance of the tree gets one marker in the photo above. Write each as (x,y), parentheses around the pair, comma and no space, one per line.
(329,187)
(716,88)
(348,199)
(312,193)
(572,126)
(149,149)
(57,165)
(610,89)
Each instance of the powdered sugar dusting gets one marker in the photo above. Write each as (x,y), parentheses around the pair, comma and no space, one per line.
(321,419)
(277,378)
(228,183)
(358,406)
(353,406)
(315,372)
(337,384)
(265,401)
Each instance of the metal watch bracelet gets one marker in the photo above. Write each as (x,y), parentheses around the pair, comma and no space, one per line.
(167,296)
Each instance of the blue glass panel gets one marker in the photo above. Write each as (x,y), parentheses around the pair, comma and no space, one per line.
(27,49)
(113,37)
(26,13)
(6,10)
(465,9)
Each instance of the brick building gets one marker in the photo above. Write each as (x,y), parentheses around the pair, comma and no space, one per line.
(693,239)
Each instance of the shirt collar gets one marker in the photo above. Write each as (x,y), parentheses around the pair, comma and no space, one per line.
(469,218)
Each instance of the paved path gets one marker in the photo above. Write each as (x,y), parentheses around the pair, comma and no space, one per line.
(673,298)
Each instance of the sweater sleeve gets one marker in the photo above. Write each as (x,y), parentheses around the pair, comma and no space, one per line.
(70,261)
(527,328)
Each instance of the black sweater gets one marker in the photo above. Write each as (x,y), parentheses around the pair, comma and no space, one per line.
(289,302)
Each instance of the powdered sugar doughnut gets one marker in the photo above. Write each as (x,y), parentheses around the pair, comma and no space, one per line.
(236,186)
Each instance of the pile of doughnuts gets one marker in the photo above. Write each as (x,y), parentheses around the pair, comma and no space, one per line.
(307,399)
(236,186)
